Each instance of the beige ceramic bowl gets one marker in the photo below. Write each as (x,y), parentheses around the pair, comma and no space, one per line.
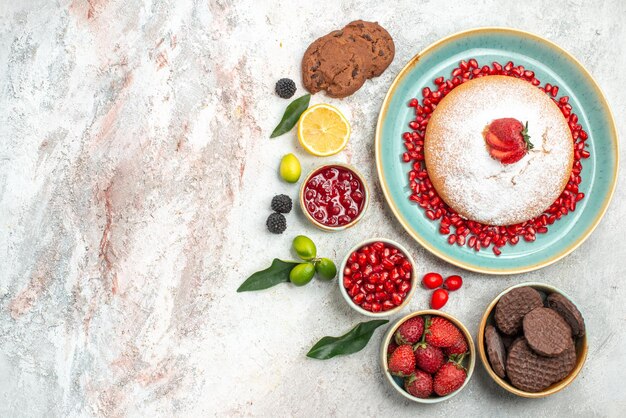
(468,362)
(581,347)
(366,198)
(406,300)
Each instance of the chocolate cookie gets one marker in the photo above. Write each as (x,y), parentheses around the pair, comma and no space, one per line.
(495,351)
(546,332)
(512,307)
(569,312)
(507,341)
(328,64)
(341,61)
(380,46)
(531,372)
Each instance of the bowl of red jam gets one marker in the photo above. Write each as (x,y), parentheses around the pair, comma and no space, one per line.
(377,277)
(334,197)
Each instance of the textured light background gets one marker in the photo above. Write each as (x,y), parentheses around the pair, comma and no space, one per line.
(135,179)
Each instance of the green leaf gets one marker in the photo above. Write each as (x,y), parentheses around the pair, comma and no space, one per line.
(291,116)
(277,273)
(353,341)
(529,145)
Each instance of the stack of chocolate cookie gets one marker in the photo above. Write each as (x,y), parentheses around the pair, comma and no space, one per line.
(533,344)
(342,60)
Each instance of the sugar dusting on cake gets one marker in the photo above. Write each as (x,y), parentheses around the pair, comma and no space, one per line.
(479,187)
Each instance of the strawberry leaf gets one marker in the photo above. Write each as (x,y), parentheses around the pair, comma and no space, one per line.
(529,145)
(351,342)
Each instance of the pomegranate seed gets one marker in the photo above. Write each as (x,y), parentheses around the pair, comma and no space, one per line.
(472,63)
(496,251)
(404,287)
(358,298)
(413,103)
(396,299)
(426,92)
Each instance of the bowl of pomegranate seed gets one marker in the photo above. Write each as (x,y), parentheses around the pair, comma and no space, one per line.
(377,277)
(532,340)
(428,356)
(334,196)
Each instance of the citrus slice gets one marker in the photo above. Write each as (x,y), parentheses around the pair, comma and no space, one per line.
(323,130)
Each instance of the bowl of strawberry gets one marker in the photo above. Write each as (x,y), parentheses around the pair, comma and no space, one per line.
(428,356)
(377,277)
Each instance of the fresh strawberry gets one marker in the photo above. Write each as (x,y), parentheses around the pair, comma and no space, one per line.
(494,142)
(442,333)
(391,348)
(410,331)
(507,140)
(428,358)
(402,361)
(449,378)
(419,384)
(460,347)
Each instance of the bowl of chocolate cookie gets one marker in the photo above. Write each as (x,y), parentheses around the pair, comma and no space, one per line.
(532,340)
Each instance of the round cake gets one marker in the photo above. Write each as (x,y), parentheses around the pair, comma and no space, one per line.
(498,150)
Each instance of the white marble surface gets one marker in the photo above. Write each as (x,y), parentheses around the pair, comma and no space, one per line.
(135,178)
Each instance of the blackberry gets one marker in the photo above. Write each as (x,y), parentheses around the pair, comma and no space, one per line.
(276,223)
(285,88)
(281,203)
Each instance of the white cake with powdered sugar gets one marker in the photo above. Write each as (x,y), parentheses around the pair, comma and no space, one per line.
(498,150)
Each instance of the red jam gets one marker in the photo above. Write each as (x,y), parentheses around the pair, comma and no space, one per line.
(377,277)
(334,196)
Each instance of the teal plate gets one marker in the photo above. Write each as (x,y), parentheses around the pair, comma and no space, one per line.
(551,64)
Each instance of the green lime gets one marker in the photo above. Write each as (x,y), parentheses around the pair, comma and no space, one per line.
(326,269)
(290,169)
(305,248)
(302,274)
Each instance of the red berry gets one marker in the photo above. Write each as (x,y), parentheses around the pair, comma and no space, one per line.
(453,283)
(428,358)
(410,331)
(459,347)
(442,333)
(507,140)
(391,348)
(449,378)
(432,280)
(419,384)
(402,361)
(439,299)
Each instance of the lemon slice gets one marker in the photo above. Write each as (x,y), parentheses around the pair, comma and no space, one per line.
(323,130)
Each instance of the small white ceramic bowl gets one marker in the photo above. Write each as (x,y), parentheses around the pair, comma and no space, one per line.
(406,300)
(366,198)
(469,363)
